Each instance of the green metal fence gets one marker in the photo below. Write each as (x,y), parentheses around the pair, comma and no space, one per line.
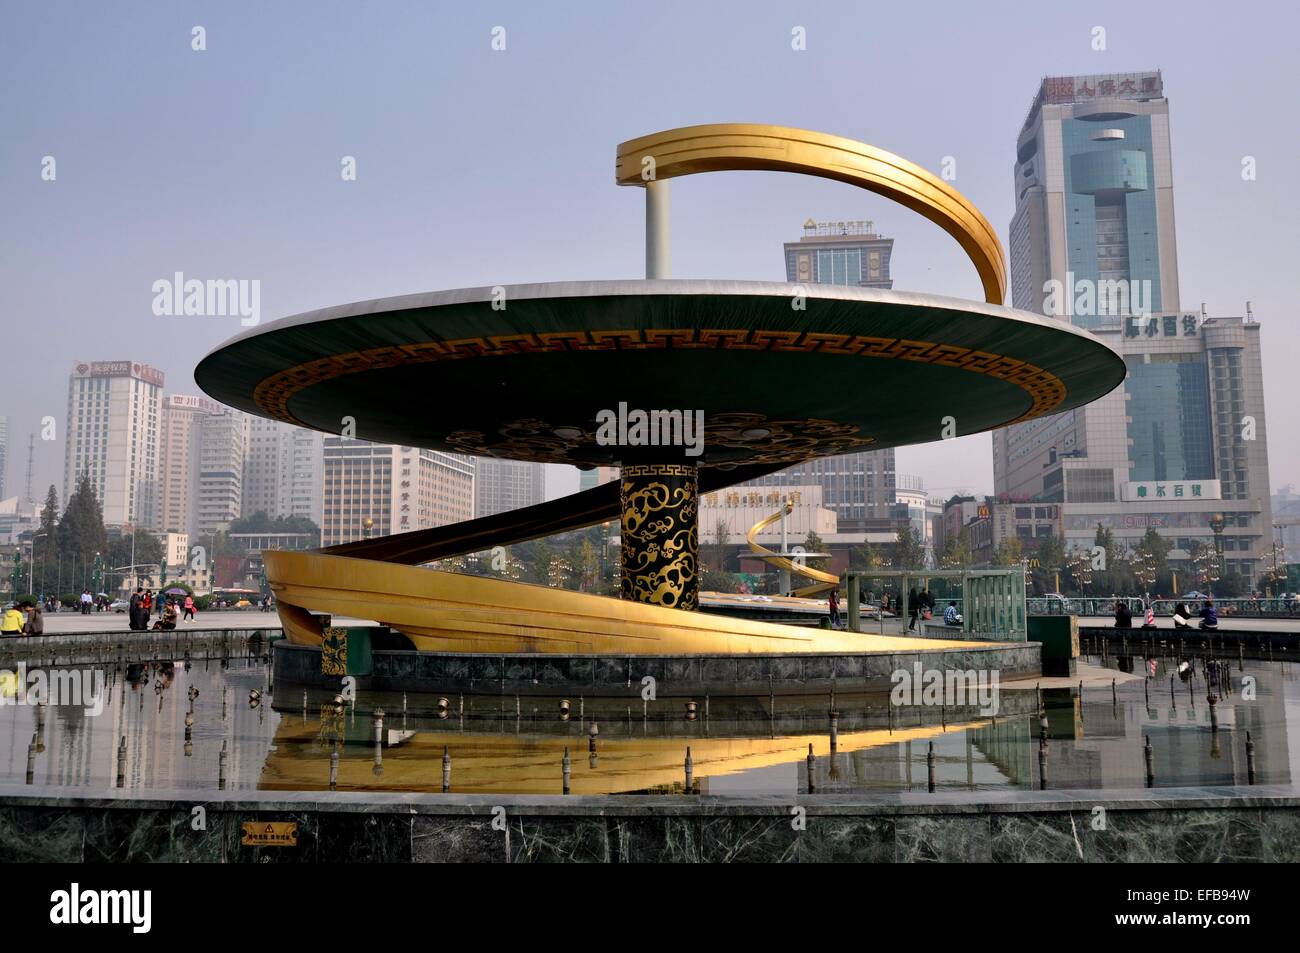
(992,601)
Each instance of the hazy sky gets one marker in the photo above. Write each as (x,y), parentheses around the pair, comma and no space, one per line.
(477,167)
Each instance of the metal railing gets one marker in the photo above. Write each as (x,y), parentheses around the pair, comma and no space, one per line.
(1105,606)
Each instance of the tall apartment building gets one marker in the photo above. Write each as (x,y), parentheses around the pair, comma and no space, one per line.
(504,485)
(180,443)
(1093,243)
(398,489)
(223,448)
(112,433)
(283,474)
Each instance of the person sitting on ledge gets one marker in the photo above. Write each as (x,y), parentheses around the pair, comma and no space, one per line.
(1209,618)
(167,621)
(1182,616)
(1123,615)
(12,622)
(951,616)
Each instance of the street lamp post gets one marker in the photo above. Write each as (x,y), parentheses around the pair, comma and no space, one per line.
(31,565)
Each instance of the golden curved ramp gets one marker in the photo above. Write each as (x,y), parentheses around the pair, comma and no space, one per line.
(825,581)
(530,763)
(736,146)
(449,612)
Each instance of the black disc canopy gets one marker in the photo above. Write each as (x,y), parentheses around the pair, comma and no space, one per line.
(777,373)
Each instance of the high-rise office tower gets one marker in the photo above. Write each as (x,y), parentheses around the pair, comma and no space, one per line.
(504,485)
(857,486)
(180,443)
(223,448)
(1092,242)
(283,474)
(114,413)
(1094,197)
(397,489)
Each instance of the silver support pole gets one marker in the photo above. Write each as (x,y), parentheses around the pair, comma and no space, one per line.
(658,231)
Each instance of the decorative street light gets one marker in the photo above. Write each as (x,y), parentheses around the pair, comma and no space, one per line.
(1277,572)
(1144,568)
(1217,522)
(1207,568)
(1080,566)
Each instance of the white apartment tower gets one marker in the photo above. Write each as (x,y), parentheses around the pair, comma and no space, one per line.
(181,441)
(283,471)
(114,416)
(501,486)
(222,452)
(398,489)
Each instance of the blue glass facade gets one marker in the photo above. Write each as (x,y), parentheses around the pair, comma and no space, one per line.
(1110,209)
(1169,412)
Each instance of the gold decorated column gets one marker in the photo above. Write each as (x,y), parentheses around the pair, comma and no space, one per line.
(660,534)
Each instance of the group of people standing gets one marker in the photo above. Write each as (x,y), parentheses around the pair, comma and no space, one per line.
(143,603)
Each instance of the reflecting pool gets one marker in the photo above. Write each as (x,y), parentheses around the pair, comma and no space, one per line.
(135,736)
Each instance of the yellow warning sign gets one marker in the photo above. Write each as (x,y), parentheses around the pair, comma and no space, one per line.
(270,834)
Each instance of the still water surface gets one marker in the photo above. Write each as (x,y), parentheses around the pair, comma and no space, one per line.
(737,746)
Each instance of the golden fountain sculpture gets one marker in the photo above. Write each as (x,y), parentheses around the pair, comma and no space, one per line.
(524,372)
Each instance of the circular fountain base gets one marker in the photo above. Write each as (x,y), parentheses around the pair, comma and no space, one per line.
(672,675)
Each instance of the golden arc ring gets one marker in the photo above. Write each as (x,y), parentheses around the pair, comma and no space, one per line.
(733,147)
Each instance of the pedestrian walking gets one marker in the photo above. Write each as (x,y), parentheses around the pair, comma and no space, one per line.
(135,610)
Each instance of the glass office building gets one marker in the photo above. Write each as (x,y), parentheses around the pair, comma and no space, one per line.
(1092,242)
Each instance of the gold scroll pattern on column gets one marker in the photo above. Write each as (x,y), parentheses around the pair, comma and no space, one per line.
(659,535)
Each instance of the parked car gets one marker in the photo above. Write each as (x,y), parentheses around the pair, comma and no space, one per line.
(1057,602)
(119,605)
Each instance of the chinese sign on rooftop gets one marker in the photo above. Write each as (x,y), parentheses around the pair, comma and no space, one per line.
(1078,89)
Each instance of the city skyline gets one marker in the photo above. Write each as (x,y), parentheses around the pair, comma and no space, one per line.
(727,229)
